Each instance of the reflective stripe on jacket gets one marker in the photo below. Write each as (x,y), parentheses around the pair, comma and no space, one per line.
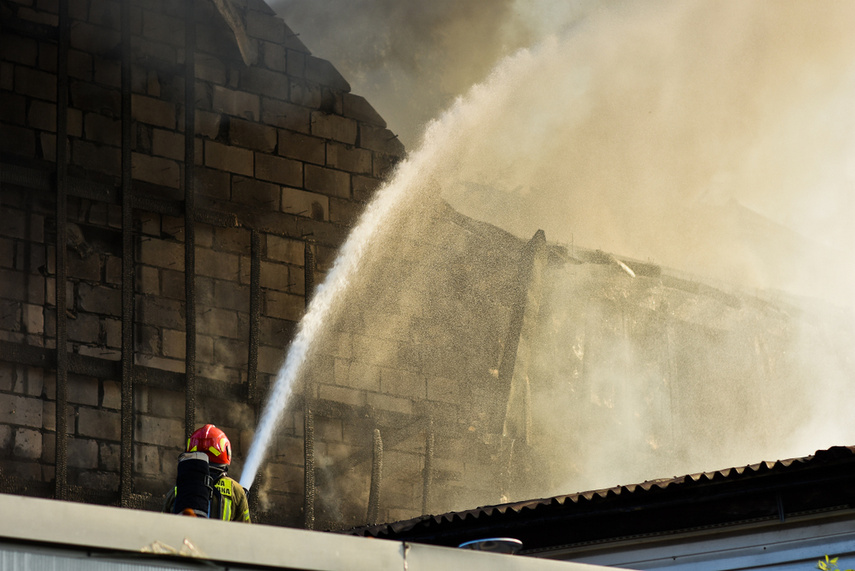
(228,503)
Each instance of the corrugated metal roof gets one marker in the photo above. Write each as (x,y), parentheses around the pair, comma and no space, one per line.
(579,503)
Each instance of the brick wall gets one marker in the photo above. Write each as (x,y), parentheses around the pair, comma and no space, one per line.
(283,151)
(430,348)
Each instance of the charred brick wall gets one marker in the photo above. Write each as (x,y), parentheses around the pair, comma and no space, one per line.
(283,159)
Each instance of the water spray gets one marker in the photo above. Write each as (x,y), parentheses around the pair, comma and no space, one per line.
(387,200)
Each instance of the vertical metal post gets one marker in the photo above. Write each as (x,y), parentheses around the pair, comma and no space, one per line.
(376,477)
(309,468)
(309,266)
(252,395)
(428,473)
(61,481)
(308,418)
(127,447)
(254,315)
(189,214)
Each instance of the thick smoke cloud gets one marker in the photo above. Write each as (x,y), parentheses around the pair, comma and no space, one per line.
(717,139)
(410,58)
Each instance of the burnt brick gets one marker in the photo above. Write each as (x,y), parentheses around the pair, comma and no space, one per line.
(274,276)
(155,170)
(147,458)
(228,158)
(153,111)
(335,127)
(21,411)
(95,157)
(98,40)
(13,109)
(17,140)
(278,169)
(88,268)
(230,295)
(159,431)
(213,183)
(105,13)
(100,299)
(344,211)
(35,83)
(381,140)
(357,107)
(42,116)
(349,158)
(274,56)
(218,322)
(286,115)
(19,49)
(162,253)
(102,129)
(235,240)
(252,135)
(167,144)
(99,424)
(302,147)
(28,444)
(112,332)
(306,94)
(216,264)
(284,305)
(308,204)
(163,28)
(265,27)
(285,250)
(107,72)
(160,312)
(327,181)
(364,187)
(262,195)
(84,328)
(210,68)
(207,124)
(97,98)
(264,81)
(237,103)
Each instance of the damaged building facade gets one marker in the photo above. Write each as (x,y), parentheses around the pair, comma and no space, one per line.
(187,224)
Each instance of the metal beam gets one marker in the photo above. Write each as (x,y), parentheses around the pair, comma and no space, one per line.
(189,215)
(128,272)
(61,480)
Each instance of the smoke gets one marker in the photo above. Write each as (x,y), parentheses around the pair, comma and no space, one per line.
(664,130)
(715,139)
(411,59)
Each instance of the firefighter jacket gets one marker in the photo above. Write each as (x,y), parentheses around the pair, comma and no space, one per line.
(228,501)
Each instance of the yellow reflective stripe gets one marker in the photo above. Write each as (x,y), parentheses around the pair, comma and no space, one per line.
(227,509)
(213,451)
(224,486)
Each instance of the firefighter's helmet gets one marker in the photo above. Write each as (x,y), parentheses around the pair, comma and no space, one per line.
(213,442)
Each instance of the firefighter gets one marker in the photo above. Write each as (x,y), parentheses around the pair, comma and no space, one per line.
(203,488)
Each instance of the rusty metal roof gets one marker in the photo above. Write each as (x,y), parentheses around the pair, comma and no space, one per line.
(824,481)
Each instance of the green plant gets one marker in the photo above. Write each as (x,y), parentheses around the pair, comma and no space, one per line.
(829,564)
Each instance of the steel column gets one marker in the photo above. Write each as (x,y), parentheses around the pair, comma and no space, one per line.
(430,444)
(376,477)
(190,214)
(128,270)
(61,492)
(254,316)
(308,468)
(308,415)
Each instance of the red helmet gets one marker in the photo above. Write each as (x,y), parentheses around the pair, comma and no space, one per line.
(213,442)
